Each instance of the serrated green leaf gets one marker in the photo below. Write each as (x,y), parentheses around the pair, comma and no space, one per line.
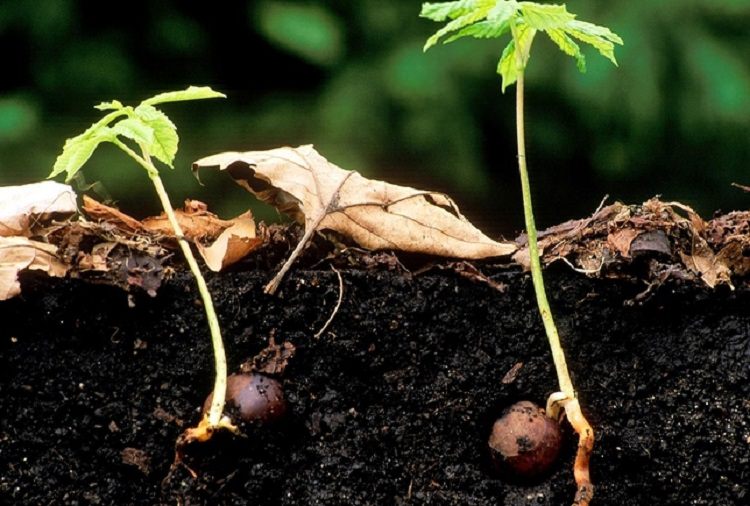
(596,30)
(115,105)
(77,151)
(524,36)
(545,16)
(166,140)
(443,11)
(507,67)
(502,11)
(135,129)
(478,13)
(191,93)
(481,30)
(515,56)
(567,46)
(599,37)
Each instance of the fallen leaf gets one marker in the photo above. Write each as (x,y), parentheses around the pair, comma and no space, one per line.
(195,220)
(221,243)
(18,254)
(232,245)
(102,212)
(648,243)
(24,205)
(374,214)
(620,240)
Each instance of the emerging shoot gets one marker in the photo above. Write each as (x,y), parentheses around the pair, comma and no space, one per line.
(484,19)
(154,136)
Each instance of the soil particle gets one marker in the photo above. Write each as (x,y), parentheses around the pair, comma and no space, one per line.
(393,404)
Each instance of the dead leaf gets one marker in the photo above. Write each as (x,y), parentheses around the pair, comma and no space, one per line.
(18,254)
(648,243)
(375,214)
(196,222)
(221,243)
(620,240)
(712,269)
(232,245)
(102,212)
(25,204)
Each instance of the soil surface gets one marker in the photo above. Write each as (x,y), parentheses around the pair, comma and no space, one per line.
(391,405)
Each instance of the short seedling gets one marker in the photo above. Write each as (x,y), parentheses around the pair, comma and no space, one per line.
(485,19)
(155,136)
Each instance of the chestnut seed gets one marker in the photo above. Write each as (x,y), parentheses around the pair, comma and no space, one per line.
(524,442)
(256,397)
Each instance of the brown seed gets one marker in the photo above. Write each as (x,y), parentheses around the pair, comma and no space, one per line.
(524,442)
(256,397)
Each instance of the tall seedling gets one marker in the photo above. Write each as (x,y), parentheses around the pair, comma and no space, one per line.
(484,19)
(154,136)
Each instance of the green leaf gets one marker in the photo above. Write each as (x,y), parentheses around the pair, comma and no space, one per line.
(481,30)
(77,151)
(478,13)
(191,93)
(507,67)
(503,11)
(443,11)
(515,56)
(567,46)
(601,38)
(165,138)
(114,105)
(135,129)
(545,16)
(496,25)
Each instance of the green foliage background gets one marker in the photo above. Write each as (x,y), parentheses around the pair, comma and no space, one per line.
(350,77)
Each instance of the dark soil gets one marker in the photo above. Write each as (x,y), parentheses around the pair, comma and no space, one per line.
(391,406)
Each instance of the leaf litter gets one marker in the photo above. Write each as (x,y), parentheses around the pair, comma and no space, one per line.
(669,238)
(651,242)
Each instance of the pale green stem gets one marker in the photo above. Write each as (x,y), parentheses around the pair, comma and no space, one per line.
(220,384)
(558,355)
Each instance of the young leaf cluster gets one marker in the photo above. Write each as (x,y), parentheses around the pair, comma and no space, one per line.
(484,19)
(145,125)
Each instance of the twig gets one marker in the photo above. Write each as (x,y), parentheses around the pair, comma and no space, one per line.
(310,229)
(338,304)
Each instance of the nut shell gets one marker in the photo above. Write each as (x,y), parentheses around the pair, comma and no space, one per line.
(524,442)
(256,397)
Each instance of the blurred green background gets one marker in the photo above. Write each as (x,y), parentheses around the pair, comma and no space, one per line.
(351,78)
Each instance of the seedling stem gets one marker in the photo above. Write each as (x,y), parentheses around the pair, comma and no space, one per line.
(156,137)
(558,355)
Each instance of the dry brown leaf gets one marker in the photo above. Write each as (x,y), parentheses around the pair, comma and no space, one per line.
(18,254)
(227,241)
(102,212)
(232,245)
(25,204)
(620,240)
(375,214)
(196,221)
(712,269)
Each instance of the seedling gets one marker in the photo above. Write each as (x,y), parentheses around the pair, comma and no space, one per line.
(155,136)
(484,19)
